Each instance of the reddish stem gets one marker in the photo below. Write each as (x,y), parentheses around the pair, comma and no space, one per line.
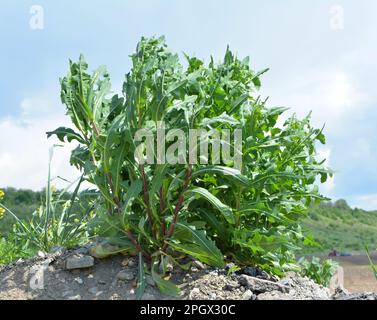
(146,198)
(178,206)
(162,209)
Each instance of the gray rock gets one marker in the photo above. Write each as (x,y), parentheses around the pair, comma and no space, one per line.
(41,254)
(76,297)
(247,295)
(57,249)
(232,286)
(82,250)
(213,296)
(79,262)
(194,293)
(149,280)
(125,275)
(67,293)
(79,280)
(199,265)
(358,296)
(260,285)
(131,263)
(300,288)
(93,290)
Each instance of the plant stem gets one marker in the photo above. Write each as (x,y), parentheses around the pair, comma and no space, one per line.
(137,245)
(146,198)
(178,206)
(162,209)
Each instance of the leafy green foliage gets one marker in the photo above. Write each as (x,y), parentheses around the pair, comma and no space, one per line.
(22,203)
(12,249)
(320,272)
(208,212)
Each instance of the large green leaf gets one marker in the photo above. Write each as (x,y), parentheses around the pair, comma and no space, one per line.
(167,287)
(231,174)
(223,208)
(133,191)
(141,284)
(197,245)
(67,133)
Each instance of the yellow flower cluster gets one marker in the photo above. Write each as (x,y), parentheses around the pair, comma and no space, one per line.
(2,211)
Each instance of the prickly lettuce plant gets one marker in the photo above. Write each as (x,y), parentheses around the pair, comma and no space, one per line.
(166,212)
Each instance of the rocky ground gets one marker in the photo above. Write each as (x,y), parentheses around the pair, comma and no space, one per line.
(77,275)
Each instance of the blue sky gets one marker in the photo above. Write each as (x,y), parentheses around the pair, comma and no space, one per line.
(313,66)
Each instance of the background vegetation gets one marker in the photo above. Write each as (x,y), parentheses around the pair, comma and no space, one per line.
(337,226)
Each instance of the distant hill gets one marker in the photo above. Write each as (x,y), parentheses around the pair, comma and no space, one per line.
(337,226)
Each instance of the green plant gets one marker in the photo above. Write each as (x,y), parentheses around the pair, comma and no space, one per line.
(320,272)
(57,222)
(12,249)
(210,212)
(372,265)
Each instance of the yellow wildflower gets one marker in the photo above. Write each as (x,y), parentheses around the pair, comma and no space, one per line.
(2,212)
(2,194)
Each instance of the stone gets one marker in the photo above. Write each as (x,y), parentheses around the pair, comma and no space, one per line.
(131,263)
(79,280)
(79,262)
(247,295)
(57,250)
(212,296)
(82,250)
(193,293)
(260,285)
(149,280)
(358,296)
(232,286)
(76,297)
(67,293)
(125,275)
(199,265)
(41,254)
(93,290)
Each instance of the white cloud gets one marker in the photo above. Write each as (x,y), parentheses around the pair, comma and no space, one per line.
(328,187)
(366,202)
(332,94)
(24,146)
(32,107)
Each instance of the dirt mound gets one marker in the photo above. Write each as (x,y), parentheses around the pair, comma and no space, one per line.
(75,275)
